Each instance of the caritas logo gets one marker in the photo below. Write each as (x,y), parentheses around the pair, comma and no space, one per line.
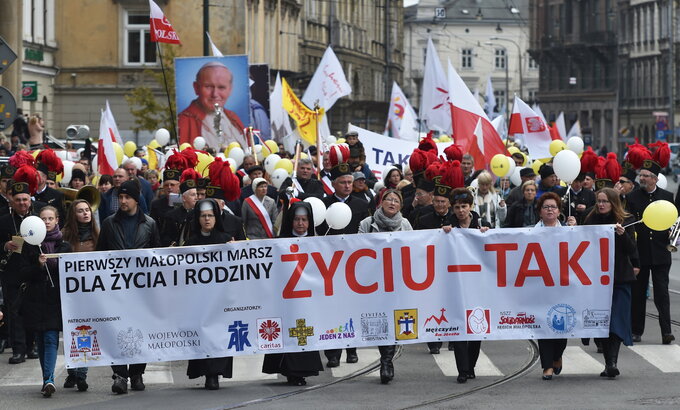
(478,320)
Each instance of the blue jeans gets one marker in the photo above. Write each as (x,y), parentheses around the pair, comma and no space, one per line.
(48,346)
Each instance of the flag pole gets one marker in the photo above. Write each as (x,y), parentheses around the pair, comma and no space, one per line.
(251,141)
(167,92)
(318,142)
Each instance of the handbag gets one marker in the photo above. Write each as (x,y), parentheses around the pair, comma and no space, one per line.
(16,305)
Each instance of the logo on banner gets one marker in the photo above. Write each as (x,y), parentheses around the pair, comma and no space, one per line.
(269,334)
(374,326)
(595,319)
(301,331)
(84,342)
(561,318)
(521,320)
(239,335)
(478,321)
(438,325)
(535,124)
(130,342)
(345,331)
(406,324)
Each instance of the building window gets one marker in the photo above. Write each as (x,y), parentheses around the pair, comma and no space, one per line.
(499,59)
(500,99)
(533,65)
(532,95)
(139,50)
(466,58)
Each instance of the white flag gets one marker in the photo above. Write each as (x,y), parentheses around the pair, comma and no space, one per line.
(490,105)
(327,86)
(401,116)
(500,126)
(434,106)
(112,124)
(538,111)
(278,115)
(106,155)
(216,51)
(561,127)
(533,130)
(575,130)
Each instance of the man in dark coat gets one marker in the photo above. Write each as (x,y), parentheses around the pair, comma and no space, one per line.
(161,205)
(304,184)
(128,228)
(341,176)
(422,199)
(6,174)
(525,174)
(655,259)
(175,224)
(48,195)
(21,207)
(580,200)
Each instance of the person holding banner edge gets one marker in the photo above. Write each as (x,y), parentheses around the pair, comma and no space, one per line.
(549,205)
(128,228)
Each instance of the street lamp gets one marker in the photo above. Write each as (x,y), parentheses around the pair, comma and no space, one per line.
(519,54)
(507,79)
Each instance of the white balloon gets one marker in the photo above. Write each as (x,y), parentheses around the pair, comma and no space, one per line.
(259,154)
(378,186)
(199,142)
(231,162)
(318,210)
(575,144)
(237,154)
(515,178)
(567,165)
(270,163)
(162,137)
(33,230)
(68,168)
(511,167)
(137,161)
(338,215)
(62,154)
(278,176)
(662,182)
(95,165)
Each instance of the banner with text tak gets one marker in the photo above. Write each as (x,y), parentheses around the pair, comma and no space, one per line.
(290,295)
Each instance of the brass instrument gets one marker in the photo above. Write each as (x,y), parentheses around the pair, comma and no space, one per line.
(88,193)
(673,238)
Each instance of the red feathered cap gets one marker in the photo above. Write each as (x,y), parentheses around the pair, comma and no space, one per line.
(21,158)
(53,162)
(607,171)
(191,157)
(454,152)
(661,153)
(338,154)
(428,144)
(418,161)
(189,179)
(229,183)
(433,170)
(26,178)
(588,160)
(637,154)
(452,175)
(176,161)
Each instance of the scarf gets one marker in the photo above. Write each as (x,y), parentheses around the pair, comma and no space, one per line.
(52,238)
(486,207)
(387,224)
(84,232)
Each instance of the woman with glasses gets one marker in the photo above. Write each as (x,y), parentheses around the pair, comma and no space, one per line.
(608,211)
(206,231)
(387,218)
(523,213)
(549,205)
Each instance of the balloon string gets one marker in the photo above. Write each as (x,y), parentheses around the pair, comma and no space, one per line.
(329,229)
(47,268)
(631,224)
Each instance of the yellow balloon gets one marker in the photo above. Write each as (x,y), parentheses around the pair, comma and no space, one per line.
(303,155)
(119,152)
(500,165)
(129,148)
(445,138)
(340,141)
(557,146)
(184,146)
(526,159)
(154,144)
(230,147)
(286,164)
(203,161)
(35,153)
(270,147)
(536,165)
(94,180)
(660,215)
(436,140)
(512,149)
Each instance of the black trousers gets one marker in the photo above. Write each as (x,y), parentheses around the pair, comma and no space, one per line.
(551,351)
(20,339)
(466,354)
(127,371)
(336,353)
(662,301)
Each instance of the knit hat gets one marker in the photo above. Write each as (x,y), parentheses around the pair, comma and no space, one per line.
(131,189)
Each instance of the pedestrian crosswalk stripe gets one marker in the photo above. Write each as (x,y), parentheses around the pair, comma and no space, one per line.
(29,373)
(575,360)
(366,357)
(446,360)
(664,357)
(158,373)
(248,368)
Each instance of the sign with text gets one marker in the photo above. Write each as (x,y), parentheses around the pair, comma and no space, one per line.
(290,295)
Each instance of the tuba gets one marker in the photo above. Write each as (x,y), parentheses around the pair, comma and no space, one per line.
(673,238)
(88,193)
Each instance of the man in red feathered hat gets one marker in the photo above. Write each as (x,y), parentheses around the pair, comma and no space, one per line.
(20,190)
(49,166)
(655,258)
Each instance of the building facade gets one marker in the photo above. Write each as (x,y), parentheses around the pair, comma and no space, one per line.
(482,40)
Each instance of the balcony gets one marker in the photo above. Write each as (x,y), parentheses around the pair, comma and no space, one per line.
(599,38)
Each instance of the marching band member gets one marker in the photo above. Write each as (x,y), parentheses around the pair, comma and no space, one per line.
(175,224)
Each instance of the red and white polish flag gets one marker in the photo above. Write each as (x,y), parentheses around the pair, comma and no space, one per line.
(106,155)
(531,128)
(471,127)
(161,29)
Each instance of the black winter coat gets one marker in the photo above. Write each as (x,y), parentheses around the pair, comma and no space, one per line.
(651,244)
(625,250)
(41,306)
(112,237)
(515,217)
(359,209)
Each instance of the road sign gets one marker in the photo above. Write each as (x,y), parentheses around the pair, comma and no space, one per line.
(7,55)
(8,108)
(661,134)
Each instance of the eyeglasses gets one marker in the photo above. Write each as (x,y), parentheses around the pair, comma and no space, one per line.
(392,200)
(623,181)
(646,175)
(549,207)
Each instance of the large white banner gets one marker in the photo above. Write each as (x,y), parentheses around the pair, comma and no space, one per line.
(287,295)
